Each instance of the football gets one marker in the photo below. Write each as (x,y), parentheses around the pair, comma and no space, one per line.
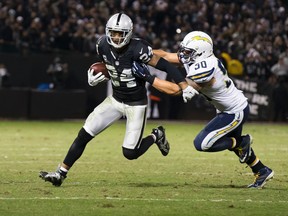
(100,67)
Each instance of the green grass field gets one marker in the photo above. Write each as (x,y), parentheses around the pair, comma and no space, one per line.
(103,182)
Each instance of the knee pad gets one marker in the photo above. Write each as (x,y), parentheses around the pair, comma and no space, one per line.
(130,154)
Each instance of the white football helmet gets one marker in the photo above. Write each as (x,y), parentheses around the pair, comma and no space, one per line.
(120,23)
(196,45)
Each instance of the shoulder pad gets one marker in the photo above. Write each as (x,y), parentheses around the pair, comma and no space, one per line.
(99,44)
(202,71)
(100,39)
(142,50)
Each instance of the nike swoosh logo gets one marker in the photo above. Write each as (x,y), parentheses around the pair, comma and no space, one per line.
(141,51)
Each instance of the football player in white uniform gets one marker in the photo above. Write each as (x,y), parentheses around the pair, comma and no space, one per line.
(208,75)
(118,50)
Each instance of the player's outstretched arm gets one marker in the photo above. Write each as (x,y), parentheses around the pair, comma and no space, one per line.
(171,88)
(166,87)
(170,57)
(141,71)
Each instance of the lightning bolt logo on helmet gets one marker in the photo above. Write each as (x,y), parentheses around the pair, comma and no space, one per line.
(198,38)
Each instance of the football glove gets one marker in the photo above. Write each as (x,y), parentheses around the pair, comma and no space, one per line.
(188,93)
(93,80)
(141,71)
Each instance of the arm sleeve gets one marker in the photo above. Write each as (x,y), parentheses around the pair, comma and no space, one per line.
(164,65)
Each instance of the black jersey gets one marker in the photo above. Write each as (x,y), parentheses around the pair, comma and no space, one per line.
(126,87)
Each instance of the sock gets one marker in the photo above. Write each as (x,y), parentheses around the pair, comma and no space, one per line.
(234,143)
(154,137)
(254,163)
(259,165)
(145,145)
(63,171)
(238,141)
(77,147)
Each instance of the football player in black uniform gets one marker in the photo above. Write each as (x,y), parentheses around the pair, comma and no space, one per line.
(118,50)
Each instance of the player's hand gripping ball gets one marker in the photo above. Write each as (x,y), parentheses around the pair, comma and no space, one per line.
(100,67)
(97,73)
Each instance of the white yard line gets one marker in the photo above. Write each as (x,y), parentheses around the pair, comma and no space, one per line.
(143,199)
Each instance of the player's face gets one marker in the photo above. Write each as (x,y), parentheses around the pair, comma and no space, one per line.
(186,55)
(117,36)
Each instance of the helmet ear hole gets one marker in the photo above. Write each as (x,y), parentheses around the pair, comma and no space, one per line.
(122,26)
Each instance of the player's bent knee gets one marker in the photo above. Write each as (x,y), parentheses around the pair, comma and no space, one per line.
(130,154)
(198,144)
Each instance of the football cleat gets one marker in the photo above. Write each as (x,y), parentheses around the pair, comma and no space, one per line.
(161,140)
(54,177)
(264,175)
(245,148)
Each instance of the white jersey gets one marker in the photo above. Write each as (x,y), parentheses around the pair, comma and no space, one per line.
(223,94)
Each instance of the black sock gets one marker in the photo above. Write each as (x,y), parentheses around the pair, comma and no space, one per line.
(145,145)
(238,141)
(259,165)
(77,147)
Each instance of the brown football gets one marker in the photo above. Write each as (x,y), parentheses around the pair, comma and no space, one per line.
(100,67)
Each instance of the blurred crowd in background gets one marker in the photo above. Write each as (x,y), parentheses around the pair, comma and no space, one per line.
(249,36)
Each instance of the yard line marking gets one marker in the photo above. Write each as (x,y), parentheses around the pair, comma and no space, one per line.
(143,199)
(5,157)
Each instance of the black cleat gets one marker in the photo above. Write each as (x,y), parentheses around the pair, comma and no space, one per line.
(54,177)
(161,140)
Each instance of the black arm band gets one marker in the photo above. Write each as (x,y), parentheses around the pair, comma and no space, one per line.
(175,74)
(150,79)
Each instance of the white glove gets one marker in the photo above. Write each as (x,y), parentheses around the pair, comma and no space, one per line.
(188,93)
(93,80)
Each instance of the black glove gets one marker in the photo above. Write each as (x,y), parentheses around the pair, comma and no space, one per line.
(141,71)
